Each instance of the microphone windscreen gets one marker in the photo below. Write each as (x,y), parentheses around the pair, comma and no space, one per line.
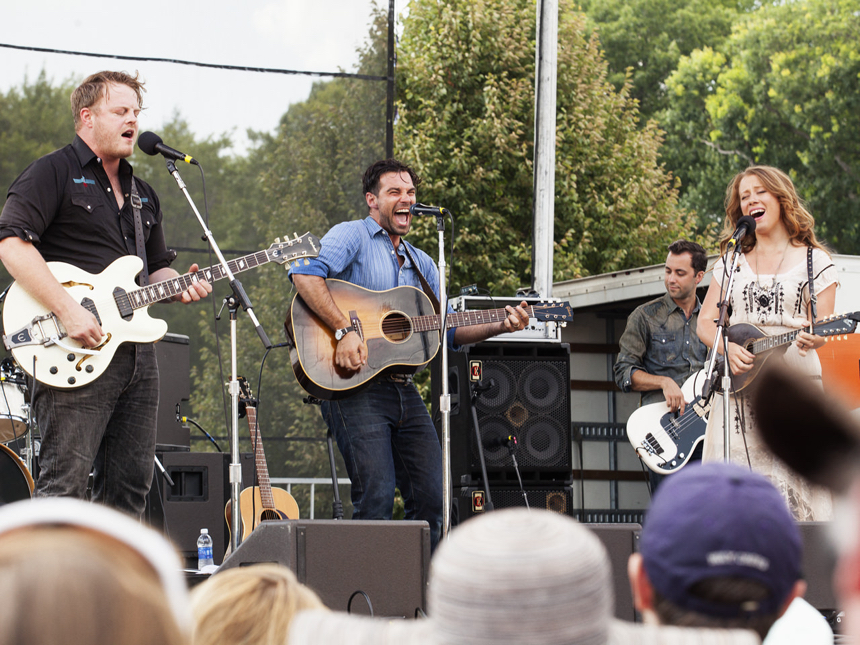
(147,142)
(745,220)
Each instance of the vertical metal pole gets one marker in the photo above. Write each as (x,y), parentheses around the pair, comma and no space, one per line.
(389,101)
(546,63)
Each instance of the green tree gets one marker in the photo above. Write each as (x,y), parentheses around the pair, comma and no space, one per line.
(466,123)
(781,91)
(643,40)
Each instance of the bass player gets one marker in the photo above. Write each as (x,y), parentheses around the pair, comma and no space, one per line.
(659,348)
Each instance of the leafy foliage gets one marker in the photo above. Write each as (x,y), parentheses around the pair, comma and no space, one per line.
(782,91)
(466,124)
(643,40)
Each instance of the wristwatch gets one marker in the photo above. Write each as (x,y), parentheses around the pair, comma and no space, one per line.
(340,333)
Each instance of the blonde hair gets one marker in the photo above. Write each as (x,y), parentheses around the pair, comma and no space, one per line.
(72,585)
(248,605)
(96,85)
(798,221)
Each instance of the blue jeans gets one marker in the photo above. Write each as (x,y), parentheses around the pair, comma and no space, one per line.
(387,439)
(107,427)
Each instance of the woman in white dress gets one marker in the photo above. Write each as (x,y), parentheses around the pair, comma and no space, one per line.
(771,291)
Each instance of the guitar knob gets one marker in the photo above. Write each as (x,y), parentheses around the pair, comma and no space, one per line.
(70,358)
(53,369)
(72,380)
(90,368)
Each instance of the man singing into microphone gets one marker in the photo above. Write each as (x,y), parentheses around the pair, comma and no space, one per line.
(384,433)
(79,205)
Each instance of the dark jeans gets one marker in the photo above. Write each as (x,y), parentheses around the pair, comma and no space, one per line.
(655,479)
(387,439)
(107,427)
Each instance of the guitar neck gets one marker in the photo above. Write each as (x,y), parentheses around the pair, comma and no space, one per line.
(772,342)
(465,318)
(152,293)
(263,482)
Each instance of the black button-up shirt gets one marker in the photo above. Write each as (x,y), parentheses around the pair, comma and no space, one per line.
(64,204)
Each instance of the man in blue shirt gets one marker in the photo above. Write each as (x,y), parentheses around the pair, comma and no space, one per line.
(384,432)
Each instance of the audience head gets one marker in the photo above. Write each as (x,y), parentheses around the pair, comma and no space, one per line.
(516,574)
(82,574)
(719,548)
(249,605)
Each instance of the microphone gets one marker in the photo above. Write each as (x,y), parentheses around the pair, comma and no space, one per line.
(152,145)
(424,209)
(498,442)
(746,225)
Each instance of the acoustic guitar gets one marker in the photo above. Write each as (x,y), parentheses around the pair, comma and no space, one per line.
(263,502)
(399,326)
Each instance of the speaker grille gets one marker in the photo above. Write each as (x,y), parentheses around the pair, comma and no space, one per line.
(529,400)
(469,499)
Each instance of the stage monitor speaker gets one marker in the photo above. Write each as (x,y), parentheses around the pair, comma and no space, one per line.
(819,563)
(201,488)
(470,501)
(529,399)
(173,354)
(351,565)
(620,540)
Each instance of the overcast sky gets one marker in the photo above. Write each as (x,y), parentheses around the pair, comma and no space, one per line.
(315,35)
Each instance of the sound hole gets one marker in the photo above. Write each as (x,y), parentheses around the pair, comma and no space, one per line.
(270,514)
(396,327)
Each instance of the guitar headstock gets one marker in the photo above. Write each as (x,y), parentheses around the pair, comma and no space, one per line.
(560,312)
(298,248)
(246,395)
(837,325)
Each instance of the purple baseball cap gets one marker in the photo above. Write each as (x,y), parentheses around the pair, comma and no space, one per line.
(714,520)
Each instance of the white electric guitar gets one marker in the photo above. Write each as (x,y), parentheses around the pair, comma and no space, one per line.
(665,440)
(42,347)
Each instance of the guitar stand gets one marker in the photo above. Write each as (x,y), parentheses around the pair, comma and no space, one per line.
(336,504)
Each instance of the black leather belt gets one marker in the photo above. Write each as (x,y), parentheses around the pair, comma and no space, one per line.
(400,378)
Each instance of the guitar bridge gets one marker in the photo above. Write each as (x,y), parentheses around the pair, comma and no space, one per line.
(36,333)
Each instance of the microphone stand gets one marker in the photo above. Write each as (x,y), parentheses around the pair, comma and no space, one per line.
(477,390)
(721,337)
(238,299)
(444,396)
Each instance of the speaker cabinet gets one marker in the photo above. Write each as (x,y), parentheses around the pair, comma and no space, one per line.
(173,354)
(620,540)
(352,565)
(470,501)
(201,488)
(528,398)
(819,563)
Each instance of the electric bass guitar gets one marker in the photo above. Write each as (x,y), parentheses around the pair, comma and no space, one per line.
(263,502)
(399,326)
(665,440)
(41,346)
(759,343)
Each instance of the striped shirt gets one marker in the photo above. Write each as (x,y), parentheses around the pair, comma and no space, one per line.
(361,252)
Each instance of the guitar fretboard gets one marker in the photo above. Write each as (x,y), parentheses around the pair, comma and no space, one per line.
(263,481)
(466,318)
(772,342)
(152,293)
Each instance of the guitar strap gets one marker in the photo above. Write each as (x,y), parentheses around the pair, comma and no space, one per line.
(139,243)
(813,299)
(424,285)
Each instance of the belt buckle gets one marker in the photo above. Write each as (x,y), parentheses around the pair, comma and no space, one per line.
(136,201)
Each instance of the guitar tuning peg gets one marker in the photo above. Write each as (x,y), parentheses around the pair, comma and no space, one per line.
(296,235)
(277,240)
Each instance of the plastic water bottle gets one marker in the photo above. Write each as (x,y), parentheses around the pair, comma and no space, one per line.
(204,549)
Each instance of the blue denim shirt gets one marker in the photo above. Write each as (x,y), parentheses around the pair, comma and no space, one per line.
(661,341)
(361,252)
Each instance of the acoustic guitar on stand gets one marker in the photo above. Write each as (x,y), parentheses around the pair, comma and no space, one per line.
(263,502)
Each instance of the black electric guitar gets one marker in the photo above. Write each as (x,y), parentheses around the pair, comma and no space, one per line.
(35,335)
(399,326)
(763,346)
